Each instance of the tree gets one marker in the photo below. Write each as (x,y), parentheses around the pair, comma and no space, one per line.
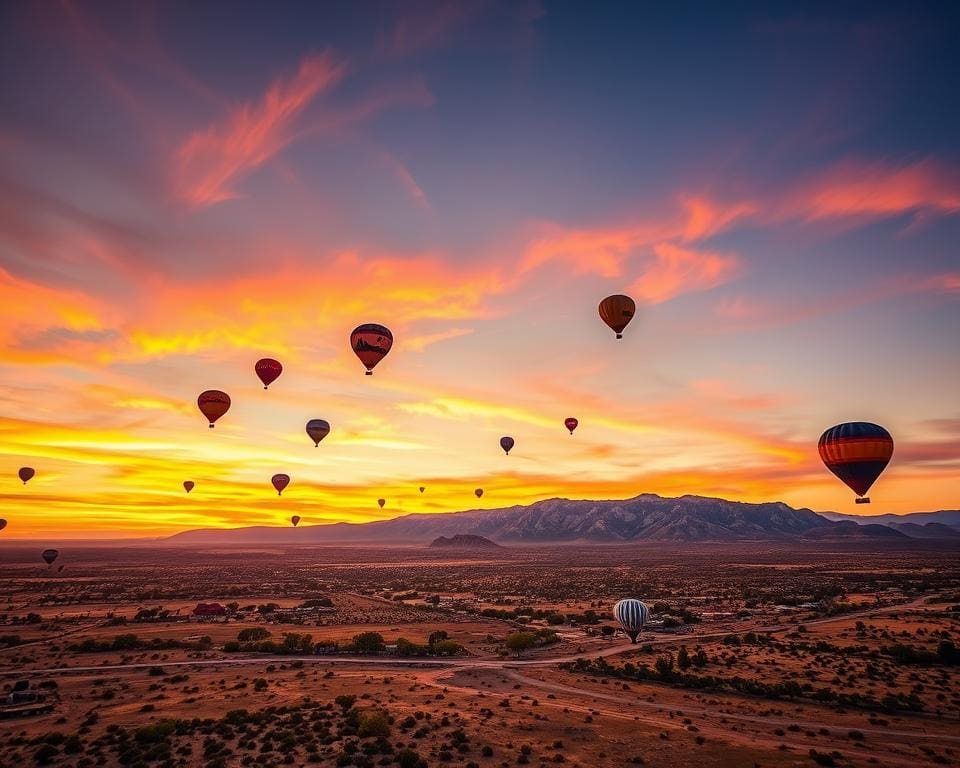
(700,658)
(664,665)
(345,701)
(683,658)
(607,631)
(447,648)
(368,642)
(253,633)
(408,648)
(521,641)
(374,724)
(436,637)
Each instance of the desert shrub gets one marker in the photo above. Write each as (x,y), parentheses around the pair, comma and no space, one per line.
(374,724)
(252,633)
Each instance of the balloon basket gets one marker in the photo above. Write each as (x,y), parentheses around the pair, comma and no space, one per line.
(864,500)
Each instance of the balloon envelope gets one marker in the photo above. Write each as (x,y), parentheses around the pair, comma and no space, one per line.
(295,520)
(632,615)
(49,555)
(422,489)
(318,429)
(478,492)
(268,370)
(280,482)
(213,404)
(3,523)
(856,452)
(617,311)
(371,342)
(570,423)
(26,473)
(506,443)
(381,502)
(188,485)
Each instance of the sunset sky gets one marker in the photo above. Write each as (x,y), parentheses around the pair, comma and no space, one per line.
(188,187)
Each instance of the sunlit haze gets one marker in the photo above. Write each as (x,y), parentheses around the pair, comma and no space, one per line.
(188,187)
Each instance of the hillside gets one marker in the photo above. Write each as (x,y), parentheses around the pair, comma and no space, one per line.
(946,517)
(647,517)
(463,541)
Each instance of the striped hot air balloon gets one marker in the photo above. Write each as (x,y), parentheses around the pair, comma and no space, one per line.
(632,615)
(617,311)
(856,452)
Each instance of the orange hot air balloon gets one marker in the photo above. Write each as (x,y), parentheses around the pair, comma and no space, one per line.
(280,482)
(268,370)
(381,502)
(49,555)
(856,452)
(295,520)
(188,485)
(213,404)
(506,443)
(26,473)
(617,311)
(570,423)
(371,343)
(478,493)
(318,429)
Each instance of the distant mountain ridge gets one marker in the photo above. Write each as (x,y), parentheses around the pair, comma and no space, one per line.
(464,541)
(646,517)
(950,517)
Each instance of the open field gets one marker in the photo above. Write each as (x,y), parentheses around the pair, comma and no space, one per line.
(771,655)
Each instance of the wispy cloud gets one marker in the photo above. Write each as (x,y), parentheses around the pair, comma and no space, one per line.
(210,161)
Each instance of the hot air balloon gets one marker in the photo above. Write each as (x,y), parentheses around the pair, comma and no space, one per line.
(26,473)
(507,444)
(370,343)
(317,429)
(422,489)
(478,493)
(213,404)
(570,423)
(3,523)
(295,520)
(268,370)
(632,615)
(381,502)
(280,482)
(617,311)
(856,452)
(188,485)
(49,555)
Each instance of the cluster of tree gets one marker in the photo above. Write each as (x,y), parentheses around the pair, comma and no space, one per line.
(7,641)
(133,643)
(254,639)
(152,614)
(518,642)
(438,644)
(946,653)
(666,671)
(320,602)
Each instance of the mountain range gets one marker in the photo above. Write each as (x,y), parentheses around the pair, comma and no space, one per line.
(646,517)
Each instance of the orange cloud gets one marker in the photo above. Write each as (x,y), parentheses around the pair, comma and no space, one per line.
(878,189)
(675,270)
(210,160)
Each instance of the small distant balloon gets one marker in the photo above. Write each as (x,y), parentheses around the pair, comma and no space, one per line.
(188,485)
(570,423)
(318,429)
(295,520)
(213,404)
(617,311)
(268,370)
(478,492)
(422,488)
(381,502)
(26,473)
(49,555)
(3,523)
(507,444)
(280,482)
(371,343)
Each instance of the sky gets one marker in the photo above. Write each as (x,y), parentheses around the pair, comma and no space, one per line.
(188,187)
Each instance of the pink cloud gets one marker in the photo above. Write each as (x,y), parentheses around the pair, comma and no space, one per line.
(674,270)
(209,161)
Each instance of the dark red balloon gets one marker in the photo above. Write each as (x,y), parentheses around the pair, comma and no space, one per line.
(280,482)
(268,370)
(49,555)
(188,485)
(295,520)
(570,423)
(507,444)
(213,404)
(26,473)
